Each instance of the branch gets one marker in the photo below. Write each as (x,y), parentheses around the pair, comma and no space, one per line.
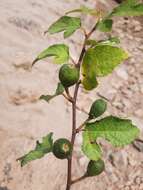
(78,179)
(73,60)
(87,36)
(81,126)
(69,175)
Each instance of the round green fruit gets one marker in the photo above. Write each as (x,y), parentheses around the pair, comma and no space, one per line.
(62,148)
(95,167)
(68,75)
(97,109)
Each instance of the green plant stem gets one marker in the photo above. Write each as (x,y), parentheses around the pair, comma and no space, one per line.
(69,172)
(79,179)
(81,126)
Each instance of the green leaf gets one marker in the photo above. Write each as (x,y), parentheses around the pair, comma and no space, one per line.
(85,10)
(89,80)
(112,41)
(67,24)
(60,89)
(105,25)
(59,51)
(90,149)
(101,60)
(128,8)
(40,150)
(119,132)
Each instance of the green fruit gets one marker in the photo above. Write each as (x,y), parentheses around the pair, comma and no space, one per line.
(68,75)
(95,168)
(62,148)
(97,109)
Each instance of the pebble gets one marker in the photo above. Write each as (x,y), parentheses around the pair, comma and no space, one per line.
(120,159)
(122,73)
(138,28)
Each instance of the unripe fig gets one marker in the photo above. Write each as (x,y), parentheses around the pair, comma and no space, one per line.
(62,148)
(97,109)
(95,168)
(68,75)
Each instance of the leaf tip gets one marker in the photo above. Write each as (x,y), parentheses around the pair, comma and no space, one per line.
(35,60)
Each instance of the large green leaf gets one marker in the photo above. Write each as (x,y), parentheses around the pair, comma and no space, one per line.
(40,150)
(90,149)
(60,89)
(59,51)
(118,131)
(67,24)
(128,8)
(105,25)
(101,60)
(85,10)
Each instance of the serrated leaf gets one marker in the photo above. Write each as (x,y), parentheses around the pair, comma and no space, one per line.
(40,150)
(105,25)
(101,60)
(90,149)
(60,89)
(67,24)
(59,51)
(85,10)
(119,132)
(128,8)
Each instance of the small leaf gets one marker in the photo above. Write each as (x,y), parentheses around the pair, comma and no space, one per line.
(90,149)
(128,8)
(101,60)
(105,25)
(59,51)
(85,10)
(40,150)
(119,132)
(60,89)
(67,24)
(110,41)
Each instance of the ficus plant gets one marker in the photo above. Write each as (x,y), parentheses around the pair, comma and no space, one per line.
(97,59)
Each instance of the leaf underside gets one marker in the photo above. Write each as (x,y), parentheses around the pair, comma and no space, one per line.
(67,24)
(91,149)
(112,41)
(128,8)
(119,132)
(59,51)
(85,10)
(40,150)
(60,89)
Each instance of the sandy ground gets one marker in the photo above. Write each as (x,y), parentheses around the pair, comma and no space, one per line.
(24,119)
